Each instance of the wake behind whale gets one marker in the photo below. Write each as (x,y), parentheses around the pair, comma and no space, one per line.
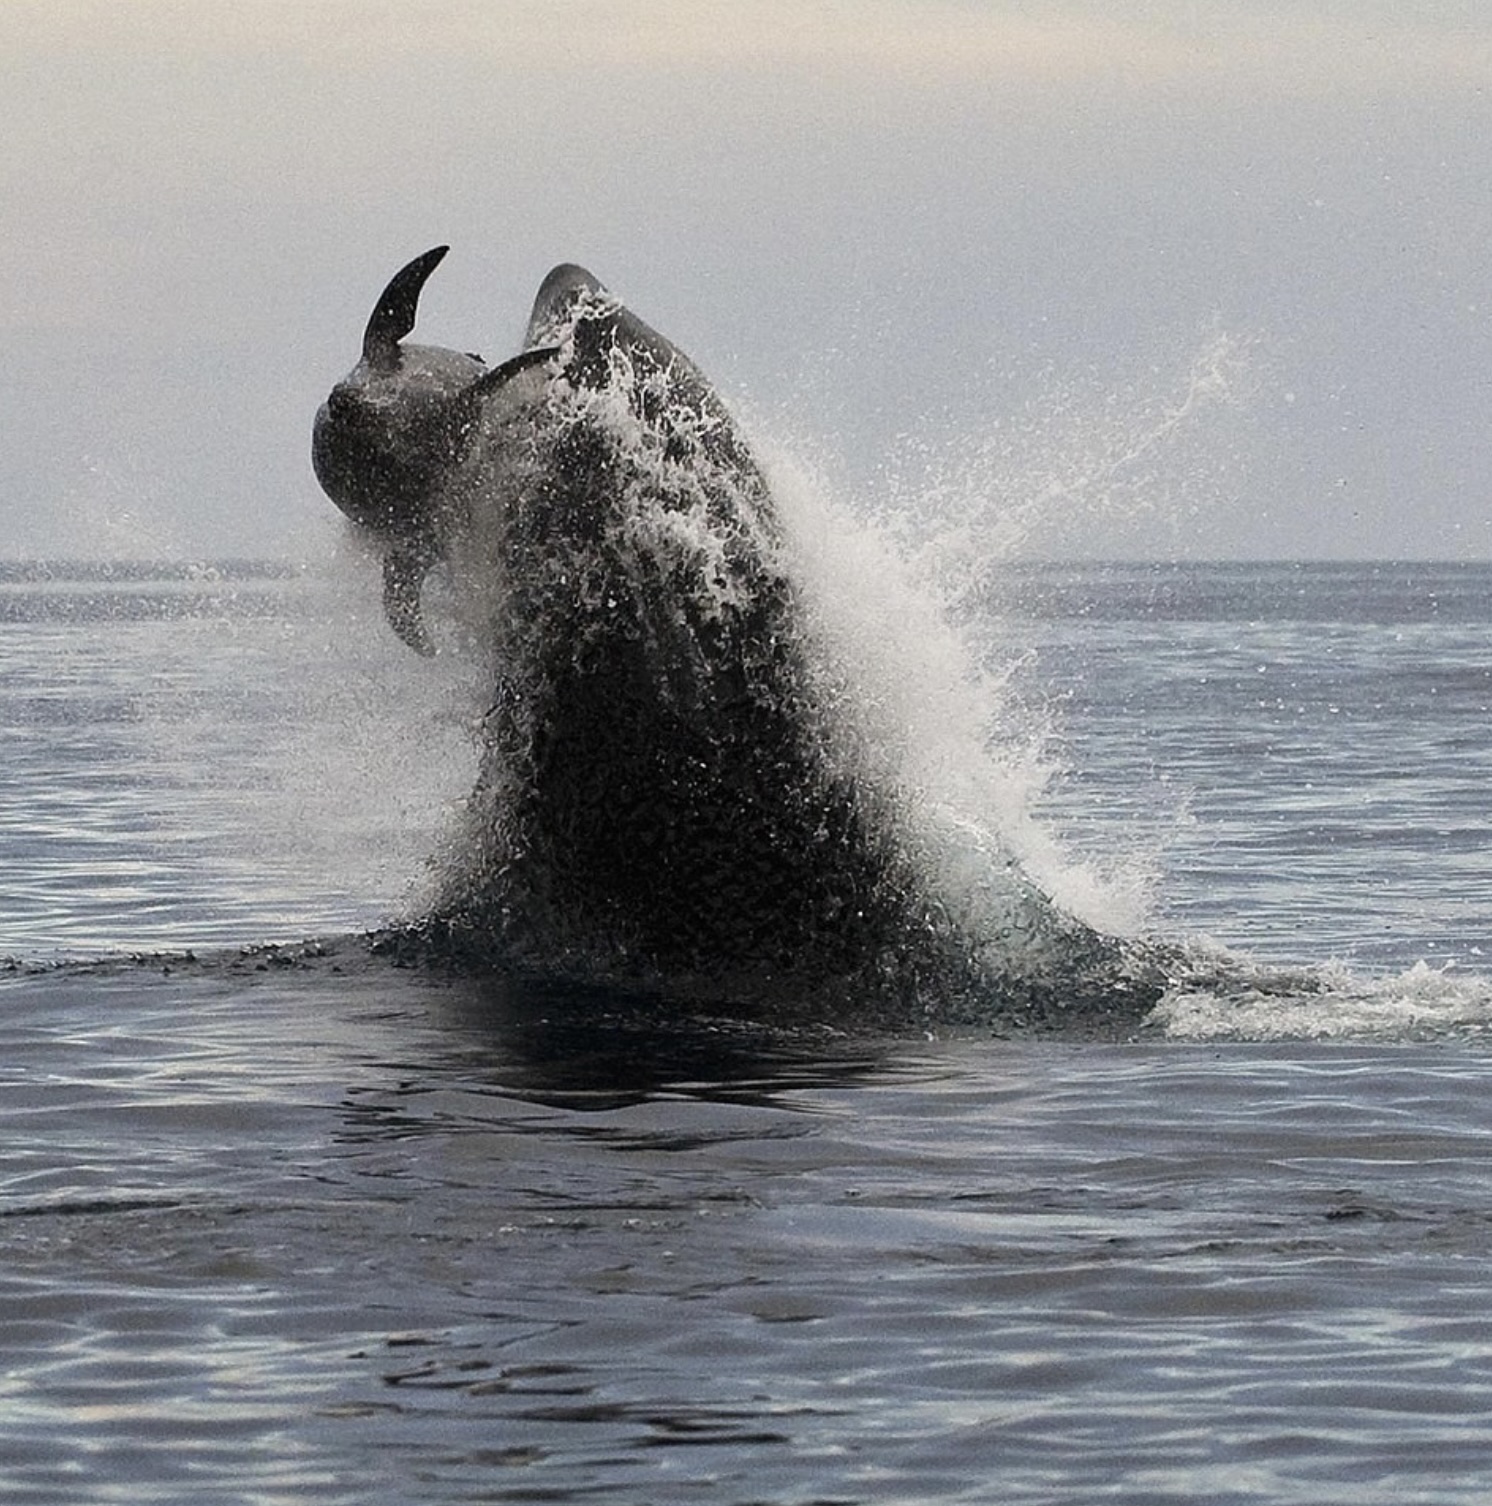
(679,789)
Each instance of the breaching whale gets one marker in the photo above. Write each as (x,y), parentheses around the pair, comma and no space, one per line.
(668,793)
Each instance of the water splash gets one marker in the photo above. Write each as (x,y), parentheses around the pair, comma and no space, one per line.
(900,589)
(936,725)
(1080,457)
(707,752)
(658,638)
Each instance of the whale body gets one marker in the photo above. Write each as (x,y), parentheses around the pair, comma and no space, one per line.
(668,792)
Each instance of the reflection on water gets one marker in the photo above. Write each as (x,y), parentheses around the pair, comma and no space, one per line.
(329,1232)
(592,1047)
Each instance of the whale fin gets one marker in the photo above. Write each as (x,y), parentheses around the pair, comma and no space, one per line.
(554,305)
(404,572)
(393,315)
(499,376)
(467,403)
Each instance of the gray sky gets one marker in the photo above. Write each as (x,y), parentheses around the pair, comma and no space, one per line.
(1191,279)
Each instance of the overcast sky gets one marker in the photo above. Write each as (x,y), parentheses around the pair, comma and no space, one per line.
(1174,279)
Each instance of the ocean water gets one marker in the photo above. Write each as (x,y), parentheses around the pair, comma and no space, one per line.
(279,1224)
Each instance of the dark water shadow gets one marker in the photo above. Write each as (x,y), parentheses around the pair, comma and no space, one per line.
(537,1038)
(587,1047)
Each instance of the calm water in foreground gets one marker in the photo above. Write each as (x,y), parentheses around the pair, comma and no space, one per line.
(293,1227)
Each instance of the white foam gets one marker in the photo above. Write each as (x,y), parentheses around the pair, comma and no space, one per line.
(1242,1001)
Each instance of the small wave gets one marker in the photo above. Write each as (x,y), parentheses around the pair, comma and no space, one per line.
(1224,997)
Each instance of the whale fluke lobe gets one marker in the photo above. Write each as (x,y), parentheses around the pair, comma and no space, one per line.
(393,315)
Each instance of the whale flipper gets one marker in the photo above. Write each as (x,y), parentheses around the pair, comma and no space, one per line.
(467,407)
(404,572)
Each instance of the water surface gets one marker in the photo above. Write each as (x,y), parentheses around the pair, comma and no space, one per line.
(294,1225)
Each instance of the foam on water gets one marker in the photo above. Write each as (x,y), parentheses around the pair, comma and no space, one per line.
(1232,999)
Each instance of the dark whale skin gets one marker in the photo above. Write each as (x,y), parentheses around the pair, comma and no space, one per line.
(660,792)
